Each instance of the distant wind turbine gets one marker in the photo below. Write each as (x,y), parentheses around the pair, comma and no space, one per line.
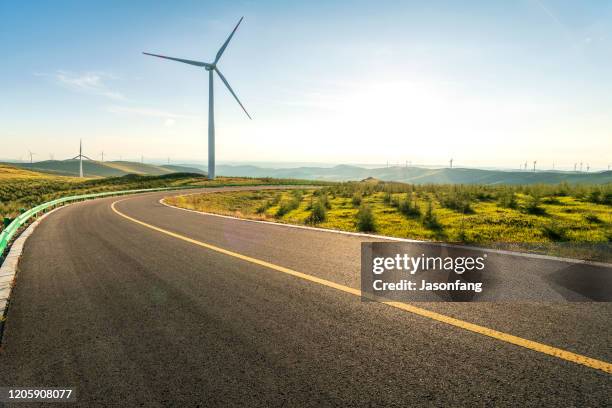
(451,163)
(31,155)
(534,163)
(102,154)
(80,156)
(575,164)
(210,67)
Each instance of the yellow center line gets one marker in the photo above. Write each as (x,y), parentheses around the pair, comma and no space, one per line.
(485,331)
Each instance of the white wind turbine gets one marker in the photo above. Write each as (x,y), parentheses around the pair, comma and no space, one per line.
(80,156)
(210,67)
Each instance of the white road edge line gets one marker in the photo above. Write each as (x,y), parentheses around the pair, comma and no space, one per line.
(385,238)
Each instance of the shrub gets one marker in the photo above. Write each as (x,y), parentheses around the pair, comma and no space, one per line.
(356,200)
(458,201)
(317,214)
(552,200)
(263,207)
(533,206)
(387,198)
(289,205)
(430,220)
(507,199)
(324,200)
(555,232)
(409,209)
(365,219)
(592,218)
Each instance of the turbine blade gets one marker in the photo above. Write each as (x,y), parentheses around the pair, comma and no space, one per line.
(232,91)
(190,62)
(220,52)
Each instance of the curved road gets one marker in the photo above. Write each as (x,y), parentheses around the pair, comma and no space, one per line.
(132,316)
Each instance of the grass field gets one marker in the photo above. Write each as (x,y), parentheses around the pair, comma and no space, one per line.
(22,189)
(561,219)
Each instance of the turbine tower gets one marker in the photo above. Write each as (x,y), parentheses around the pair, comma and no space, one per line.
(210,67)
(31,155)
(80,156)
(451,163)
(534,163)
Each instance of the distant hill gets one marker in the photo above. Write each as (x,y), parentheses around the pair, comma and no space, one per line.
(103,169)
(420,175)
(10,172)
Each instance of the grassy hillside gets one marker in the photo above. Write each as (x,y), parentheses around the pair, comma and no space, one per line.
(420,175)
(23,189)
(103,169)
(562,220)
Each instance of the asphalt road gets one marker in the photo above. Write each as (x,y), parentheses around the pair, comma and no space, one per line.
(131,316)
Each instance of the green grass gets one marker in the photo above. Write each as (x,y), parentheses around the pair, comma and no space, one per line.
(562,220)
(21,189)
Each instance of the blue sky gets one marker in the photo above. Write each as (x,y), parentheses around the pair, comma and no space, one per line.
(488,83)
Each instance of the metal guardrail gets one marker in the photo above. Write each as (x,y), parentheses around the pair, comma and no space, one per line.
(9,232)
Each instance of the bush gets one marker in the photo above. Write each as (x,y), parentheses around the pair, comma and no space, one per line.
(409,209)
(555,232)
(507,199)
(289,205)
(317,214)
(430,220)
(356,200)
(533,206)
(387,198)
(592,218)
(263,207)
(324,200)
(365,219)
(460,202)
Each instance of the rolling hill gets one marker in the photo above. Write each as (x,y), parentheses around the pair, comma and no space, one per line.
(420,175)
(103,169)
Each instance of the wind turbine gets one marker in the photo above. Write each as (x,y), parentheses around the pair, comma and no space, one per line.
(210,67)
(451,163)
(80,156)
(31,155)
(534,163)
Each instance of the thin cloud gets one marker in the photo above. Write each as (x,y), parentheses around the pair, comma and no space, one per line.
(169,116)
(93,83)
